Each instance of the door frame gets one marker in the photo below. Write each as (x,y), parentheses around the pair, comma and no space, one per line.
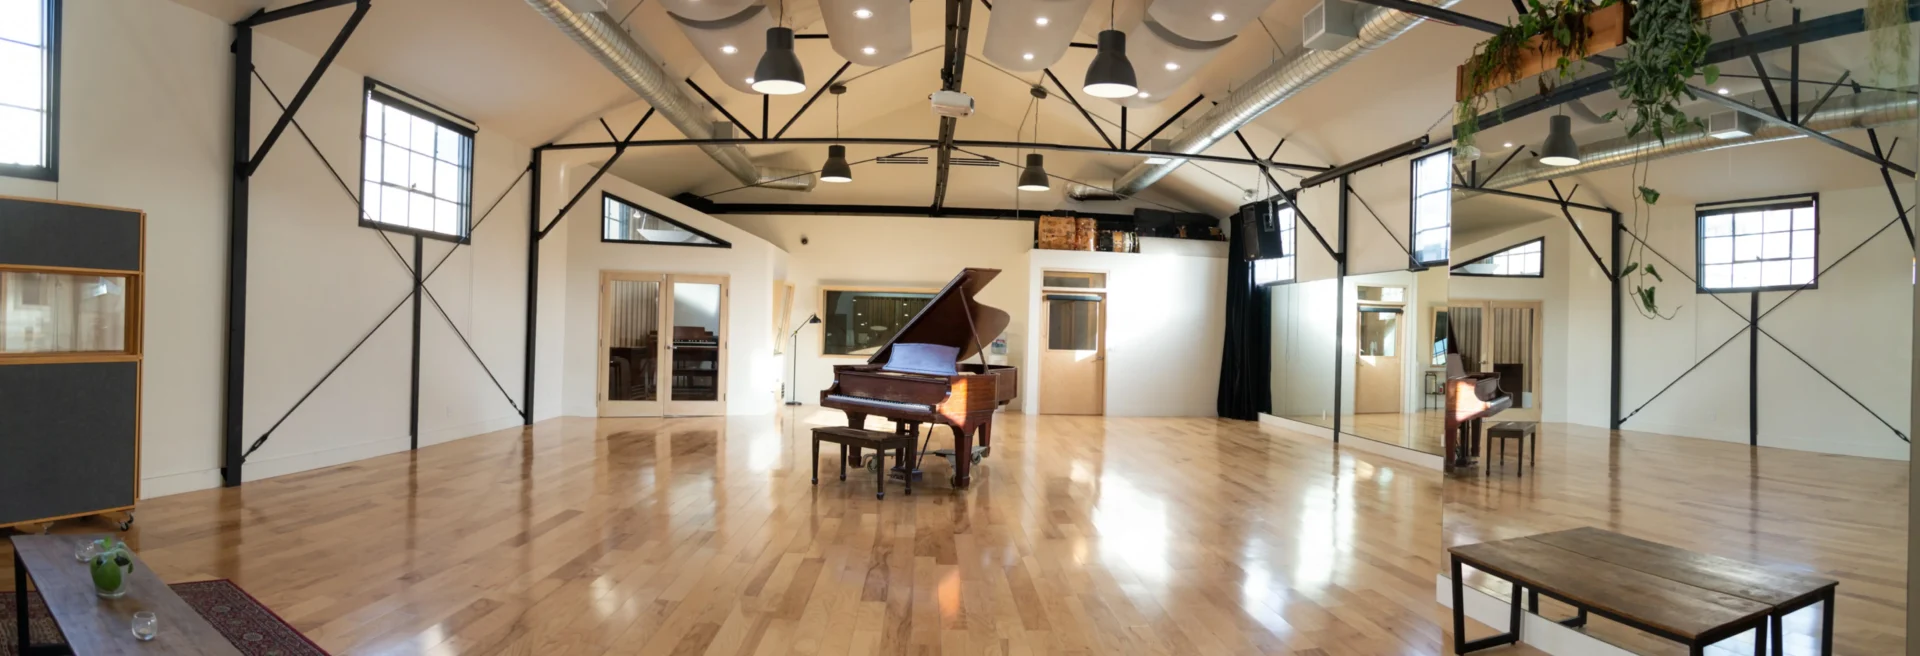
(606,407)
(1534,378)
(1402,376)
(663,404)
(1046,328)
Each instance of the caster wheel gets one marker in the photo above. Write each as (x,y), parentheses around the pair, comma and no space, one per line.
(880,495)
(976,459)
(127,523)
(872,466)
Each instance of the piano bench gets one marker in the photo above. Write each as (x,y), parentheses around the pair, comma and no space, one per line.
(856,438)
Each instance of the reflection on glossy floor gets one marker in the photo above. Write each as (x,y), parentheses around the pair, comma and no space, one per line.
(1840,517)
(1081,535)
(1421,431)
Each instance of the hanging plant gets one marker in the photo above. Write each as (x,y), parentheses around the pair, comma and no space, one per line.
(1646,299)
(1556,30)
(1668,48)
(1892,42)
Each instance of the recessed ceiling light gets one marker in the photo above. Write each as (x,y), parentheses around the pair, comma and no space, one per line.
(729,49)
(1028,56)
(863,13)
(1041,21)
(1507,145)
(1725,91)
(867,50)
(1217,17)
(749,81)
(1144,94)
(1173,66)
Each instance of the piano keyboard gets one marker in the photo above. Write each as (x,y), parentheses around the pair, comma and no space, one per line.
(878,404)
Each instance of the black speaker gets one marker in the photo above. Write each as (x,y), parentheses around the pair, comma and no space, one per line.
(1260,230)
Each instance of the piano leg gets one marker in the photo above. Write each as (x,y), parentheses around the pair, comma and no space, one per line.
(962,458)
(856,420)
(986,438)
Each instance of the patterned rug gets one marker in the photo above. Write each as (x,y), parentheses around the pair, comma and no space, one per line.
(246,623)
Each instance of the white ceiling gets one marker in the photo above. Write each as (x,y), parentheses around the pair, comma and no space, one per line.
(499,62)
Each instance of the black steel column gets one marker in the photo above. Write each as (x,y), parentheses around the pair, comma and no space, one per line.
(1339,305)
(413,417)
(533,291)
(236,381)
(1753,371)
(1613,398)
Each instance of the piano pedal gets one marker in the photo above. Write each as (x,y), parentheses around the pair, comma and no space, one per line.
(897,473)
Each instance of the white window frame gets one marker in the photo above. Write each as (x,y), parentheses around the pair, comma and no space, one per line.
(48,168)
(1765,209)
(1445,228)
(1508,252)
(372,212)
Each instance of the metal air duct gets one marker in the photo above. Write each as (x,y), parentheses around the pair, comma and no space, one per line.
(603,38)
(1859,111)
(1273,86)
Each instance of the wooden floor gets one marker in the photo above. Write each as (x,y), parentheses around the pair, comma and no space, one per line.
(1421,431)
(1081,535)
(1840,517)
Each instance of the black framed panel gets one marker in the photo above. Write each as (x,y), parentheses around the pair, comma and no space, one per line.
(378,190)
(1757,245)
(608,200)
(1541,263)
(47,41)
(53,234)
(1430,210)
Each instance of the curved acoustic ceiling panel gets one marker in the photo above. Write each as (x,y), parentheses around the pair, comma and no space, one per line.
(1028,35)
(1162,61)
(1205,20)
(869,32)
(732,45)
(705,10)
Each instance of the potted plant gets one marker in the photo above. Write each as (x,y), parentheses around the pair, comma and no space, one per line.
(110,568)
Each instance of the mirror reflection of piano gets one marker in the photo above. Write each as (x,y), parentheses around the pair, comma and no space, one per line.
(918,377)
(1471,398)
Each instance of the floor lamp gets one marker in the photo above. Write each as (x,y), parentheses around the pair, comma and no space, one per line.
(793,348)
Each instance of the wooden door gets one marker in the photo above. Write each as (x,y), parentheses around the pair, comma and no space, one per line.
(1505,337)
(694,369)
(632,307)
(1379,367)
(1073,356)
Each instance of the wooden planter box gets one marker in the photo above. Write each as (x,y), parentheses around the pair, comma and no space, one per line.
(1606,29)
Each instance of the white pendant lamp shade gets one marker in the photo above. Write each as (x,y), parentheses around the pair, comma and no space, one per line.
(836,169)
(779,72)
(1111,75)
(1560,149)
(1034,178)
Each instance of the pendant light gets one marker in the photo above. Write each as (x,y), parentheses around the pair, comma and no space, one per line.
(1111,75)
(779,72)
(1560,149)
(836,169)
(1034,176)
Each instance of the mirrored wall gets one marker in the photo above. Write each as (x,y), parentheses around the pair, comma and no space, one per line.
(1303,351)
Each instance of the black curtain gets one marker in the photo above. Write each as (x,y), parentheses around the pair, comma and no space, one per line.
(1245,356)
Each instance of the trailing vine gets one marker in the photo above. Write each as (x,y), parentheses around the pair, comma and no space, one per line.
(1562,26)
(1667,48)
(1645,295)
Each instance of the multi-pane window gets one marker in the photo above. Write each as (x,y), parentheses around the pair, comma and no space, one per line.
(623,221)
(417,167)
(29,88)
(1760,245)
(1520,261)
(1274,270)
(1432,207)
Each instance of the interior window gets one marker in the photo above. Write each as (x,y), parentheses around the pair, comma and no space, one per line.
(1758,246)
(29,88)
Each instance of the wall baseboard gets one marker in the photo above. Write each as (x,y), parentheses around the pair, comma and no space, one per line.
(171,484)
(482,427)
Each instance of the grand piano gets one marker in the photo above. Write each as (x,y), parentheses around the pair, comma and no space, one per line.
(920,375)
(1471,398)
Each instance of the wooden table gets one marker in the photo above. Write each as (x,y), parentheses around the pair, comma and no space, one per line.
(93,625)
(1692,598)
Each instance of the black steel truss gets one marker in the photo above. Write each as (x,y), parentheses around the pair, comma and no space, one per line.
(1293,195)
(617,152)
(968,143)
(1175,117)
(1567,212)
(1446,16)
(831,80)
(1083,111)
(1788,123)
(723,110)
(952,72)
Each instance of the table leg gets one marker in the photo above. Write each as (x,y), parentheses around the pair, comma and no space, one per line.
(1779,642)
(20,601)
(1760,636)
(1520,461)
(816,461)
(1826,624)
(1459,611)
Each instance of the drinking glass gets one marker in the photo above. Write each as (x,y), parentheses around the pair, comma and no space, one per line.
(85,550)
(145,625)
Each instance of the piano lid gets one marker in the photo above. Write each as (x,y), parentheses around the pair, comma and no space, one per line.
(944,320)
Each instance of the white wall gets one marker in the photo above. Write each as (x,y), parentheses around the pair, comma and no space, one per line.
(1166,321)
(753,371)
(876,251)
(1562,259)
(144,124)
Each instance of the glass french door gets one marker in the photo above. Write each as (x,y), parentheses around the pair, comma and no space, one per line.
(663,344)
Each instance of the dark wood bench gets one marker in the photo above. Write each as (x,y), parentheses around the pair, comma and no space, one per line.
(853,439)
(1688,597)
(1519,431)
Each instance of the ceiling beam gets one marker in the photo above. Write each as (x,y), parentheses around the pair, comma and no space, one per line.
(1447,16)
(960,143)
(959,15)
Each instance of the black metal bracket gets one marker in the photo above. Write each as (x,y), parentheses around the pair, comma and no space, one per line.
(831,80)
(1582,234)
(1083,110)
(617,152)
(306,88)
(1804,131)
(1759,68)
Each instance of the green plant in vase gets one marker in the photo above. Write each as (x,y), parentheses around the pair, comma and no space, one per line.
(110,568)
(1562,26)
